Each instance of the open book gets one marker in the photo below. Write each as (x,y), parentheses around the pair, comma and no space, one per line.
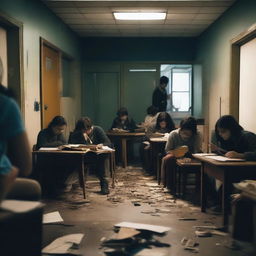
(98,149)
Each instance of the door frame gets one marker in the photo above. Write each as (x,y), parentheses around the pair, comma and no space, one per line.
(236,43)
(15,57)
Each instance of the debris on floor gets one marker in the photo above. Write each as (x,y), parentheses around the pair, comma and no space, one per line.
(134,238)
(68,244)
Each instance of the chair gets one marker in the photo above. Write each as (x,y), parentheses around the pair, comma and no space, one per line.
(181,175)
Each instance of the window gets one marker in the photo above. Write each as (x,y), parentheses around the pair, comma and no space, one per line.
(179,88)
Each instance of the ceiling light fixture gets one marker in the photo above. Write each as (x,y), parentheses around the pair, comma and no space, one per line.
(139,15)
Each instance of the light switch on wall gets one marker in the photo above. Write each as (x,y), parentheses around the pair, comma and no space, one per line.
(36,106)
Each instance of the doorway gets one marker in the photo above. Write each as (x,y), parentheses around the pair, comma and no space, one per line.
(50,83)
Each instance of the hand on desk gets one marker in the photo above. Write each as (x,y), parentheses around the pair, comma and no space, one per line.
(99,146)
(234,154)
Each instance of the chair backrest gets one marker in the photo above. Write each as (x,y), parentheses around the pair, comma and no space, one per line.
(203,129)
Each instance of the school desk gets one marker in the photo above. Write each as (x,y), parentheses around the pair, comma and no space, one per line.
(227,173)
(75,158)
(123,137)
(157,147)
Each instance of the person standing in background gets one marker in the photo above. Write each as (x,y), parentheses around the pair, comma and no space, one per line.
(159,99)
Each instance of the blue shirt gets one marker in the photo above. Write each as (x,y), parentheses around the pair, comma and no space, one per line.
(11,125)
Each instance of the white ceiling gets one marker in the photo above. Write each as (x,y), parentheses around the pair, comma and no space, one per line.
(95,18)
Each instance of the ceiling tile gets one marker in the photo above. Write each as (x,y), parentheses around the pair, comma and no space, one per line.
(181,16)
(95,18)
(99,16)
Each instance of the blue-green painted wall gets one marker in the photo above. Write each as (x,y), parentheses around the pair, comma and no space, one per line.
(139,49)
(38,21)
(214,53)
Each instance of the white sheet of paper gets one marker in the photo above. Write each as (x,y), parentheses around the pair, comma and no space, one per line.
(205,154)
(19,205)
(48,149)
(154,228)
(225,159)
(62,244)
(107,148)
(153,252)
(52,217)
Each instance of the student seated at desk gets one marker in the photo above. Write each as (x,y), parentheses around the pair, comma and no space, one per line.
(231,140)
(164,124)
(52,136)
(15,154)
(86,133)
(123,121)
(186,135)
(150,118)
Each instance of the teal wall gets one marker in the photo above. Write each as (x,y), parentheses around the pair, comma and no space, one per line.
(214,53)
(38,21)
(139,49)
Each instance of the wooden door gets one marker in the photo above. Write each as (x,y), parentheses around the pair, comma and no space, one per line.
(50,89)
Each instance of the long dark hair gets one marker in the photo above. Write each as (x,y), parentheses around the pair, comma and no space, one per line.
(164,116)
(189,123)
(57,121)
(83,123)
(228,122)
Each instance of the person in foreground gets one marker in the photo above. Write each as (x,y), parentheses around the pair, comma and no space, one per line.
(86,133)
(15,153)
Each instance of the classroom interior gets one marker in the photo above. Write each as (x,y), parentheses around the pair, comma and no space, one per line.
(99,65)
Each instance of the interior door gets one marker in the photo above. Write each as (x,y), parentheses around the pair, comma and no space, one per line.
(101,97)
(50,89)
(140,81)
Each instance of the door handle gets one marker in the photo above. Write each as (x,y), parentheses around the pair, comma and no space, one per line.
(45,107)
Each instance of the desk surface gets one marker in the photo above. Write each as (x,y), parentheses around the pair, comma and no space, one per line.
(158,139)
(219,163)
(125,134)
(76,152)
(194,162)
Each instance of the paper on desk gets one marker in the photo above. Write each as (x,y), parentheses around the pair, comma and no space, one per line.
(107,148)
(62,245)
(19,206)
(153,228)
(205,154)
(225,159)
(52,217)
(48,149)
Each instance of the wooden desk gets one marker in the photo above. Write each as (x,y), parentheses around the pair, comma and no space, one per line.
(157,146)
(124,136)
(227,173)
(78,160)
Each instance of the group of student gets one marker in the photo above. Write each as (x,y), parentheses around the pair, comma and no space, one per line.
(229,137)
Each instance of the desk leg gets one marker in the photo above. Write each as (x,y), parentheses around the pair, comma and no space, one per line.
(203,188)
(124,153)
(82,176)
(225,199)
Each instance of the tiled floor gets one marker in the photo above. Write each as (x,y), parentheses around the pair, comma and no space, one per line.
(96,216)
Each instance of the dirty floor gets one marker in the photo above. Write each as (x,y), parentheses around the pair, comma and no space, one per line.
(136,198)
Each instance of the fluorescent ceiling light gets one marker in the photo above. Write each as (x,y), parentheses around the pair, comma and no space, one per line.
(143,70)
(139,15)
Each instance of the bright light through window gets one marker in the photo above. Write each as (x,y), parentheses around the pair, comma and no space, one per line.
(140,15)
